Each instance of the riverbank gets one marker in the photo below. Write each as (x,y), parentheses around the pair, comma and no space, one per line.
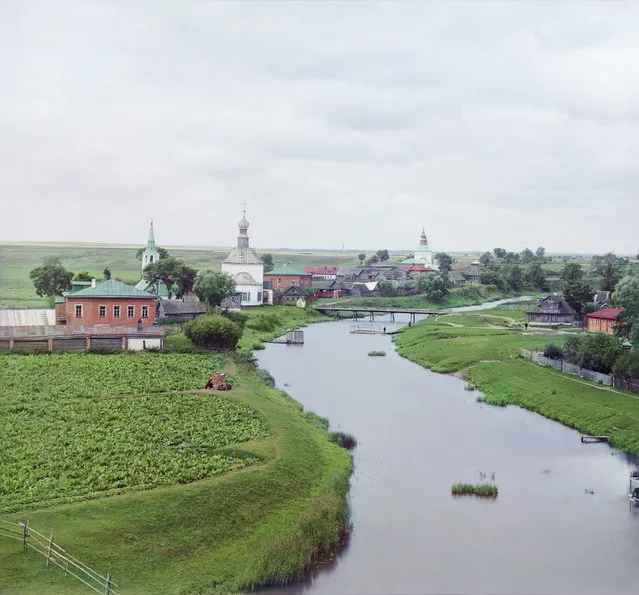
(277,503)
(484,349)
(471,295)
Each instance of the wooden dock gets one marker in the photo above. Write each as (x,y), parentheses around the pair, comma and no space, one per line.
(586,439)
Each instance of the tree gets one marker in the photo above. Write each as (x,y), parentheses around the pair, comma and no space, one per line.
(267,259)
(578,294)
(493,275)
(594,351)
(540,253)
(499,252)
(167,270)
(387,289)
(361,257)
(373,259)
(611,273)
(51,278)
(486,258)
(185,280)
(514,278)
(162,253)
(383,255)
(213,331)
(212,287)
(571,272)
(511,258)
(535,278)
(626,296)
(627,365)
(527,256)
(433,286)
(82,276)
(444,260)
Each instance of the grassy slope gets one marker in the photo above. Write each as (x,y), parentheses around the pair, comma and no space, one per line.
(242,529)
(490,359)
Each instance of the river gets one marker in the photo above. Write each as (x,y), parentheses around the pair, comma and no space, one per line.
(418,432)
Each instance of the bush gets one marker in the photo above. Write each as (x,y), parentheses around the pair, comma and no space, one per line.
(213,331)
(627,365)
(238,318)
(245,360)
(264,323)
(553,351)
(597,352)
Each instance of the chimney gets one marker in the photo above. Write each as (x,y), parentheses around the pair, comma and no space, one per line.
(92,282)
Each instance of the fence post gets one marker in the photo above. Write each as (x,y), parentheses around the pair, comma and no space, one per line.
(107,587)
(49,549)
(25,535)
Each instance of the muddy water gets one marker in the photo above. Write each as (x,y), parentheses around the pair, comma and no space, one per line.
(418,433)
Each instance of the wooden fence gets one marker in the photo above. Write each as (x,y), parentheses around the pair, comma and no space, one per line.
(53,553)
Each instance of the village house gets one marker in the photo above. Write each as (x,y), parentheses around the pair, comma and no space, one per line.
(110,303)
(294,295)
(357,274)
(603,321)
(552,309)
(326,273)
(326,289)
(287,276)
(179,310)
(456,278)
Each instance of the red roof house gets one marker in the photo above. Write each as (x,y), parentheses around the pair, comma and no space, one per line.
(603,321)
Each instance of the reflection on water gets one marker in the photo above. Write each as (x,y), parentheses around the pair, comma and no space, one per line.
(419,432)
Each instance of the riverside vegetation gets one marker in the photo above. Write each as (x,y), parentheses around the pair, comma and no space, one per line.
(170,488)
(483,490)
(484,349)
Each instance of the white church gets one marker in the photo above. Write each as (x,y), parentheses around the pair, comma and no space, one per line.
(247,269)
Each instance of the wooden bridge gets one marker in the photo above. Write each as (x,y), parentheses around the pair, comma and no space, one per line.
(371,311)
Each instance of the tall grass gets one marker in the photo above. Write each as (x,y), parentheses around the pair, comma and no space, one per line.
(483,490)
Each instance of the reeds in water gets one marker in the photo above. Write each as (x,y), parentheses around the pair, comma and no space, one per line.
(483,490)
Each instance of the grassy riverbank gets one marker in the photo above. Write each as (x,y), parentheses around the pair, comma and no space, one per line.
(485,351)
(243,489)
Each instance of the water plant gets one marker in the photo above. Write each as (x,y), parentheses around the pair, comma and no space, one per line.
(470,387)
(483,490)
(377,353)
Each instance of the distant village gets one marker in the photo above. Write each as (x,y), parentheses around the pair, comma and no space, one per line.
(109,314)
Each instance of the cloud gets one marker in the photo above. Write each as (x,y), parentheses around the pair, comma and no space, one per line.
(340,123)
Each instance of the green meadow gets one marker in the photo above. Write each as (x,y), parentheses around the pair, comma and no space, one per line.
(169,488)
(484,349)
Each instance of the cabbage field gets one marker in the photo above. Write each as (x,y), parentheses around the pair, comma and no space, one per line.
(44,377)
(77,426)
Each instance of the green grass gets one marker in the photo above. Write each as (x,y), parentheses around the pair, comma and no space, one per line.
(436,345)
(574,402)
(72,450)
(489,359)
(484,490)
(239,530)
(462,296)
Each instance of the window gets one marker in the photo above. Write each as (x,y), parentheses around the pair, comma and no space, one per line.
(279,281)
(151,258)
(102,311)
(259,296)
(130,311)
(145,311)
(78,310)
(116,311)
(293,282)
(245,297)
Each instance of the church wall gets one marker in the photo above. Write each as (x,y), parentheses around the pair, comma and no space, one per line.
(255,270)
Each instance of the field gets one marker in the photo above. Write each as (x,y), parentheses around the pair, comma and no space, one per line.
(16,260)
(488,357)
(171,489)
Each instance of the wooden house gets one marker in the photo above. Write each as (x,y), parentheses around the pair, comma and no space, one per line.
(603,321)
(552,309)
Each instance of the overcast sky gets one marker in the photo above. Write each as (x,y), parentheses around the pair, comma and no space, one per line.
(492,124)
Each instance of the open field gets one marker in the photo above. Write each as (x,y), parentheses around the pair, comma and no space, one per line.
(488,357)
(242,528)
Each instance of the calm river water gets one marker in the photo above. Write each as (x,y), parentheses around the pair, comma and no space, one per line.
(418,432)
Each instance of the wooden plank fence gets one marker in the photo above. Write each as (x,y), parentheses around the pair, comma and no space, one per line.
(54,554)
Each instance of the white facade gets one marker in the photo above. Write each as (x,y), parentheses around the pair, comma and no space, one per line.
(246,268)
(138,344)
(150,254)
(424,253)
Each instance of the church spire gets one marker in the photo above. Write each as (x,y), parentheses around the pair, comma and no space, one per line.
(243,224)
(151,242)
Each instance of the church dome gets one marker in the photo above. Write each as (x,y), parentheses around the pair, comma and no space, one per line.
(243,222)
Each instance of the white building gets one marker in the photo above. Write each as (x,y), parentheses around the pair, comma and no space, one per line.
(246,268)
(150,255)
(423,254)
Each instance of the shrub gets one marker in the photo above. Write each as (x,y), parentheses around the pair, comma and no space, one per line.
(485,490)
(245,360)
(238,318)
(213,331)
(347,441)
(264,322)
(266,377)
(627,365)
(553,351)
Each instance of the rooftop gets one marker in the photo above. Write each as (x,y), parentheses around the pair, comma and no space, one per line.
(111,289)
(606,313)
(287,269)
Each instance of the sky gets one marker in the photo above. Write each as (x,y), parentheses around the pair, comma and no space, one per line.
(348,124)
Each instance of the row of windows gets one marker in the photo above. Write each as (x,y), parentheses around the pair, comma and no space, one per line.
(246,297)
(102,311)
